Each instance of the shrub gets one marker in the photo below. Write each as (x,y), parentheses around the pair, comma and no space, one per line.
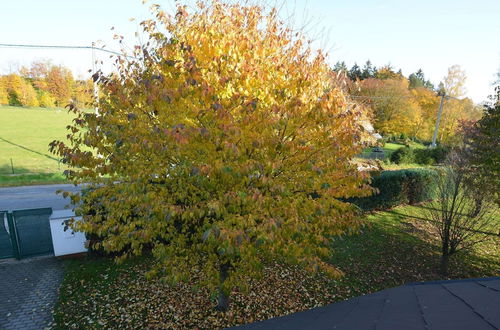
(403,155)
(410,186)
(421,185)
(423,156)
(439,154)
(407,155)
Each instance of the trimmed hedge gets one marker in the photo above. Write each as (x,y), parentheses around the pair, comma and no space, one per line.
(410,186)
(407,155)
(403,155)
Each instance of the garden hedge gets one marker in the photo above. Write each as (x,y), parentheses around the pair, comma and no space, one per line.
(409,186)
(407,155)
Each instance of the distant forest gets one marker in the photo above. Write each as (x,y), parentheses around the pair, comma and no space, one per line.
(44,85)
(398,106)
(406,107)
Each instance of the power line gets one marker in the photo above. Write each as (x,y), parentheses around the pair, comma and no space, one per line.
(61,47)
(379,97)
(447,97)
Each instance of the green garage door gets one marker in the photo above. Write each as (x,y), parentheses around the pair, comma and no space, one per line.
(33,232)
(6,250)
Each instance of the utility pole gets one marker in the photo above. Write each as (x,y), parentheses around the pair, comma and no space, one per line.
(438,120)
(96,91)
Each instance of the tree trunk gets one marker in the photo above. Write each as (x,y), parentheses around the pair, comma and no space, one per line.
(443,269)
(445,248)
(223,297)
(477,208)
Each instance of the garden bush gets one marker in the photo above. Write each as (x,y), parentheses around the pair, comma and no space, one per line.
(409,186)
(407,155)
(423,156)
(403,155)
(439,154)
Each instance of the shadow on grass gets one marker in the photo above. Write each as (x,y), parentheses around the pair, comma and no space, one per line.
(6,169)
(28,149)
(391,251)
(25,178)
(432,221)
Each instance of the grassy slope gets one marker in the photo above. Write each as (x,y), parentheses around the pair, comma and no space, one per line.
(33,129)
(392,249)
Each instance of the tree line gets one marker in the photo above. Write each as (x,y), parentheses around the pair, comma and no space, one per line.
(43,84)
(399,106)
(406,107)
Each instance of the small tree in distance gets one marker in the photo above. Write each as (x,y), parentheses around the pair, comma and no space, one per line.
(223,147)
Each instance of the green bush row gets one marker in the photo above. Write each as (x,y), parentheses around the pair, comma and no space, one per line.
(407,155)
(393,188)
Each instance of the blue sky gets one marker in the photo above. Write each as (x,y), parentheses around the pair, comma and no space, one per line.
(428,34)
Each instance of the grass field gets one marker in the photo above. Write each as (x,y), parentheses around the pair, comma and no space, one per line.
(395,247)
(24,137)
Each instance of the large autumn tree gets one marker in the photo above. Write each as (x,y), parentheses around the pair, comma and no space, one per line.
(225,144)
(20,91)
(395,110)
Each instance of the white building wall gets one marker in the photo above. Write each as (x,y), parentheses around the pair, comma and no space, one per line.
(65,242)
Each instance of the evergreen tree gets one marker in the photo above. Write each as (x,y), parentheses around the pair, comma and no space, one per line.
(340,66)
(417,79)
(355,72)
(368,70)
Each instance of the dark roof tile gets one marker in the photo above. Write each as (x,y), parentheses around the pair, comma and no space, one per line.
(482,300)
(457,304)
(400,308)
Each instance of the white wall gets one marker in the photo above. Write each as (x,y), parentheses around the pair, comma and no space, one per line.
(65,242)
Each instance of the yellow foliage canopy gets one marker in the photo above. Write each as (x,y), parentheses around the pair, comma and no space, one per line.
(226,144)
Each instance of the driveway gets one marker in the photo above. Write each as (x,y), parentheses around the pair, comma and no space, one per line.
(30,197)
(28,291)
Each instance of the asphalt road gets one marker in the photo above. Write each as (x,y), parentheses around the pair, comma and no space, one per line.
(30,197)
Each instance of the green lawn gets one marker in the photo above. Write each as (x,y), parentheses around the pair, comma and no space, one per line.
(398,247)
(24,137)
(28,179)
(393,248)
(389,148)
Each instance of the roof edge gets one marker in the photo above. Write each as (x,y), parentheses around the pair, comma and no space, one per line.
(480,279)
